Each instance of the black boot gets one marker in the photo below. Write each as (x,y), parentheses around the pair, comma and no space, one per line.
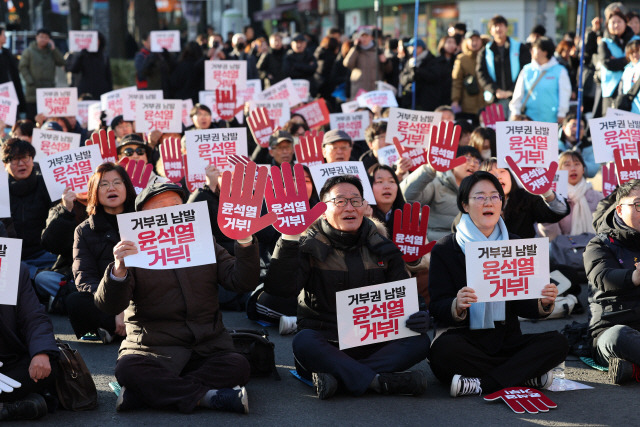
(30,408)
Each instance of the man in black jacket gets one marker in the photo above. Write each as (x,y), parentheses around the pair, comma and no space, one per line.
(9,71)
(612,264)
(299,63)
(270,63)
(27,352)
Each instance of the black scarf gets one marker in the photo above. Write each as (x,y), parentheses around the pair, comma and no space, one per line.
(342,240)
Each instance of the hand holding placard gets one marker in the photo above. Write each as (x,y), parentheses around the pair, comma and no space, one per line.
(521,399)
(170,151)
(289,200)
(262,127)
(309,150)
(534,180)
(240,203)
(444,146)
(627,169)
(138,171)
(107,143)
(410,231)
(492,114)
(226,103)
(417,155)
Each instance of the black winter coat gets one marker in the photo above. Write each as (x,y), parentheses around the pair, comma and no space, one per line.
(30,205)
(57,237)
(25,329)
(430,73)
(93,250)
(213,202)
(187,80)
(301,66)
(525,209)
(609,261)
(9,73)
(270,67)
(95,72)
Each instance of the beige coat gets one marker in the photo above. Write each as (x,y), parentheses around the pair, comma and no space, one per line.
(465,65)
(362,63)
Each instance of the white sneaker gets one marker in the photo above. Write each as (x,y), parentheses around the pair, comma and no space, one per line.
(288,325)
(542,382)
(465,386)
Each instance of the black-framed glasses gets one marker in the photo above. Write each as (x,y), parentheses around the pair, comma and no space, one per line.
(637,205)
(15,160)
(129,151)
(341,202)
(495,198)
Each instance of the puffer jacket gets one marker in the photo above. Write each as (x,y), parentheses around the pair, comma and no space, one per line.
(439,191)
(322,266)
(38,68)
(609,261)
(171,314)
(93,250)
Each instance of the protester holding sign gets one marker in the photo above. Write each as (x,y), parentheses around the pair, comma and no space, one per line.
(524,209)
(177,353)
(110,193)
(94,69)
(29,202)
(133,147)
(28,354)
(479,346)
(343,250)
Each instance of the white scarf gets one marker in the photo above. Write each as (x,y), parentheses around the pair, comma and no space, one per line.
(482,315)
(581,216)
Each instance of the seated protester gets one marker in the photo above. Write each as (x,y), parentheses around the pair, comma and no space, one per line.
(336,146)
(177,352)
(375,135)
(568,141)
(28,353)
(479,347)
(57,237)
(614,286)
(133,147)
(484,140)
(110,193)
(121,127)
(523,209)
(201,116)
(386,190)
(314,267)
(440,191)
(30,203)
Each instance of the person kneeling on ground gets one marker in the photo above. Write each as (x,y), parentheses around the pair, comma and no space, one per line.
(177,352)
(344,250)
(28,351)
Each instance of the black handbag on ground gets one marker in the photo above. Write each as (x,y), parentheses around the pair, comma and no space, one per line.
(74,385)
(624,101)
(258,350)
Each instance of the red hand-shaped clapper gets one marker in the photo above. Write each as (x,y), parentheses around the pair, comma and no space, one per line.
(534,180)
(521,399)
(107,143)
(627,169)
(138,171)
(262,127)
(443,147)
(171,153)
(410,231)
(491,115)
(226,103)
(309,150)
(417,155)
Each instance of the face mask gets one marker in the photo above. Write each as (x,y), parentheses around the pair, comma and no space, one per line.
(240,46)
(486,154)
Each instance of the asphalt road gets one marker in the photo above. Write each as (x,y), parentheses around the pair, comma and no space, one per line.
(289,402)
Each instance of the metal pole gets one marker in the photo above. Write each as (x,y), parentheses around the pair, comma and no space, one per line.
(583,22)
(415,53)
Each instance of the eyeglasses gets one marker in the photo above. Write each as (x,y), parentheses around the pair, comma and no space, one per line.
(637,205)
(484,199)
(16,160)
(129,151)
(341,202)
(104,185)
(472,160)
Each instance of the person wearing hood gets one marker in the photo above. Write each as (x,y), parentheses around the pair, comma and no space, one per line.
(38,67)
(94,69)
(543,88)
(439,190)
(611,263)
(428,73)
(466,97)
(366,62)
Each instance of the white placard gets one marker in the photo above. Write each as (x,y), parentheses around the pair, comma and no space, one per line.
(8,110)
(388,155)
(48,142)
(322,172)
(224,74)
(530,144)
(352,123)
(254,87)
(213,146)
(377,313)
(614,112)
(380,85)
(380,98)
(10,254)
(169,39)
(560,183)
(5,206)
(93,119)
(208,98)
(282,90)
(302,87)
(8,90)
(277,110)
(83,112)
(349,107)
(187,105)
(112,103)
(412,128)
(164,115)
(506,270)
(132,98)
(167,238)
(80,40)
(71,168)
(57,102)
(609,134)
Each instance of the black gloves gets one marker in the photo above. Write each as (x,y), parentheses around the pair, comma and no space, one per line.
(419,322)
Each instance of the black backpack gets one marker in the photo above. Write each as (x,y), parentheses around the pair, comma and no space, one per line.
(259,351)
(578,336)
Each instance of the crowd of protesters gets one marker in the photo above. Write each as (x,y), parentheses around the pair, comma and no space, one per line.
(73,257)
